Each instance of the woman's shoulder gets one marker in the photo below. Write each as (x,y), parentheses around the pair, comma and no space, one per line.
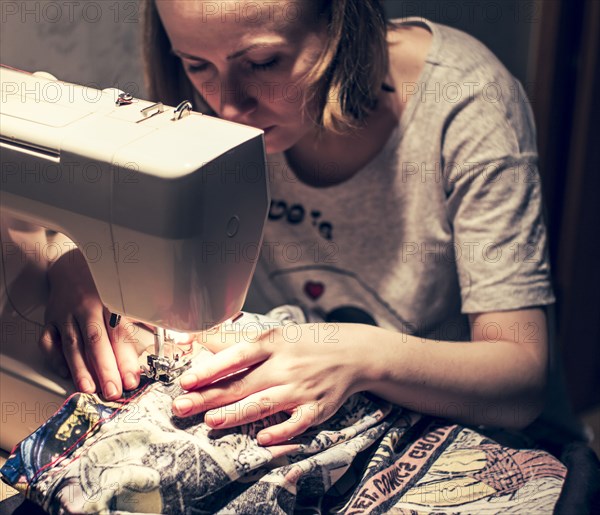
(409,49)
(458,74)
(454,53)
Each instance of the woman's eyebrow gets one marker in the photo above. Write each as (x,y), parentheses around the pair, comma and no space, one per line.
(235,55)
(239,53)
(186,56)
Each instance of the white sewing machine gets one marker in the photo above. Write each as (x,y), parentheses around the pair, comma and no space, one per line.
(165,205)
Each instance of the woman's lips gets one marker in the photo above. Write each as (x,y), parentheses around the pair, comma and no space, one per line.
(268,129)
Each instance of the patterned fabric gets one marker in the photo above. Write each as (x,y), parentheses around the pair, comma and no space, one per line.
(134,456)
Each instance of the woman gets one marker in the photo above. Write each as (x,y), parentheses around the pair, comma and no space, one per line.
(406,216)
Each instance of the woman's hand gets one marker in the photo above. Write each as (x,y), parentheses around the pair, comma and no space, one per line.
(306,370)
(76,334)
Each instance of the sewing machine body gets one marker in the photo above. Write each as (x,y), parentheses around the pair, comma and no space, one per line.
(164,206)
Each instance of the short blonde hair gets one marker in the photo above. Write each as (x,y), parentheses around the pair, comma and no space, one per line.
(345,82)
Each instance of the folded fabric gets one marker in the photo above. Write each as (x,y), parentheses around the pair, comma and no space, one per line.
(135,456)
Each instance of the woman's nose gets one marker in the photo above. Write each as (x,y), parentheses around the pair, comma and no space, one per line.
(238,100)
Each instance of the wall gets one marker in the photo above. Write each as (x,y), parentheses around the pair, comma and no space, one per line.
(95,43)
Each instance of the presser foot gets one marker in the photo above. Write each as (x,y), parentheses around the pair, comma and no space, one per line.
(165,370)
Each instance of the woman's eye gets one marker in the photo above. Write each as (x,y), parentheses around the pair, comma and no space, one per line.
(264,65)
(197,68)
(260,66)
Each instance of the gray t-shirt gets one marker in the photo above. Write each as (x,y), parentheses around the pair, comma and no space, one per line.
(446,220)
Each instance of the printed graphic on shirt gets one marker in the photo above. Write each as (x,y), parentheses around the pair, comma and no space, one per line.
(337,295)
(295,214)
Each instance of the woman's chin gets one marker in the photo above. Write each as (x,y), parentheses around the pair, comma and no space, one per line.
(273,144)
(276,142)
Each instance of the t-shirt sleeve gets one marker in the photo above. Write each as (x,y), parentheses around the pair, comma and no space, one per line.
(494,199)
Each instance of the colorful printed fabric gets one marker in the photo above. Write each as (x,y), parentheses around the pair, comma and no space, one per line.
(134,456)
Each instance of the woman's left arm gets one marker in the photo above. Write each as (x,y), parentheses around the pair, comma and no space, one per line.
(496,379)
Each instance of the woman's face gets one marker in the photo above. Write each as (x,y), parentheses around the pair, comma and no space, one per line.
(249,59)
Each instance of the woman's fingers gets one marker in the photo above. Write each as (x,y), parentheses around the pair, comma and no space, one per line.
(226,335)
(49,343)
(226,391)
(127,361)
(256,407)
(266,403)
(253,407)
(250,409)
(100,354)
(128,341)
(302,418)
(71,343)
(229,361)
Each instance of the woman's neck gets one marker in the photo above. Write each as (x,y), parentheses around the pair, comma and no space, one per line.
(326,159)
